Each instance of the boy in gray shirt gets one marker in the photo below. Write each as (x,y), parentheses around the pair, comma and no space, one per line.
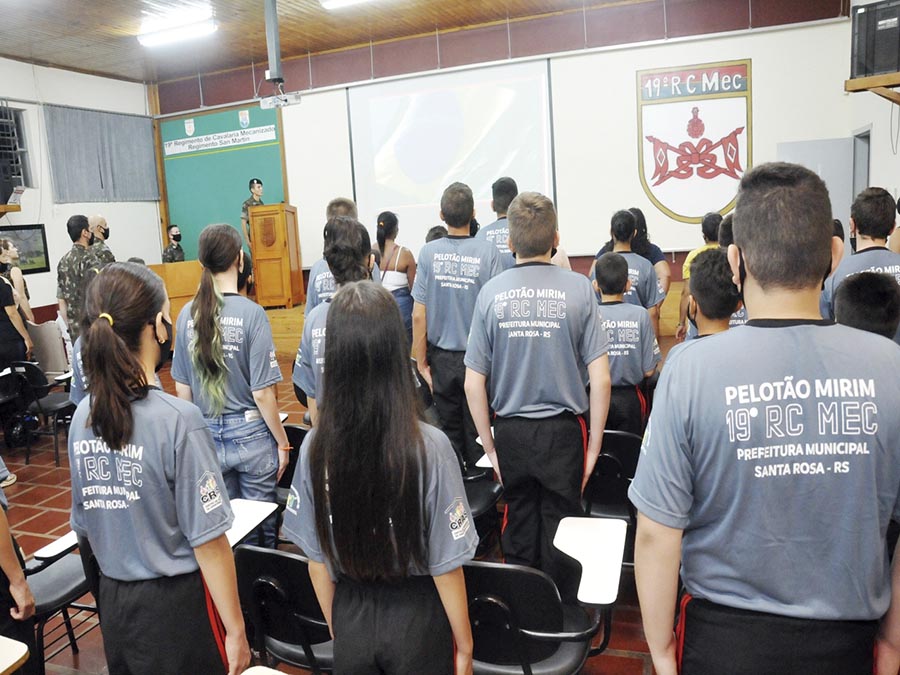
(503,191)
(770,467)
(450,273)
(645,290)
(537,337)
(633,349)
(872,219)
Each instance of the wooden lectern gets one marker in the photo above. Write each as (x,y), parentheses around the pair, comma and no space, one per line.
(182,279)
(275,247)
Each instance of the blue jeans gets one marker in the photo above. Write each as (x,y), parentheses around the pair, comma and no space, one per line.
(248,458)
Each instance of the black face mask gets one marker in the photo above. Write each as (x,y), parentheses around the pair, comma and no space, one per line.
(165,347)
(176,238)
(92,240)
(106,234)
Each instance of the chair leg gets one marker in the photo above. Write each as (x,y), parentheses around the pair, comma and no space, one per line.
(27,443)
(39,646)
(56,438)
(73,643)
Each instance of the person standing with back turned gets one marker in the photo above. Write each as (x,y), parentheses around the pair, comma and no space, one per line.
(168,591)
(771,467)
(225,363)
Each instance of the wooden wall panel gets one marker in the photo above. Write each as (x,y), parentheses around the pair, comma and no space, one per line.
(351,65)
(693,17)
(405,56)
(474,45)
(625,23)
(557,33)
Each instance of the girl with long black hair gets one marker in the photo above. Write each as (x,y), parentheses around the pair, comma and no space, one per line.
(378,504)
(225,363)
(148,495)
(642,245)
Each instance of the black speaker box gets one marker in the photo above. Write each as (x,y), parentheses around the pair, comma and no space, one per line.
(876,39)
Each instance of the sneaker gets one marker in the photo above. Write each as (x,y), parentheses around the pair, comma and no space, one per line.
(9,480)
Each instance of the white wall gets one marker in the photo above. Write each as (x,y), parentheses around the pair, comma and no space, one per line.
(797,89)
(134,226)
(317,163)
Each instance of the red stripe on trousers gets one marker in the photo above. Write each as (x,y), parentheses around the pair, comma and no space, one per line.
(679,630)
(215,622)
(584,441)
(643,402)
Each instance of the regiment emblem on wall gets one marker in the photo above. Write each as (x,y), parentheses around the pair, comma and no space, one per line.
(694,136)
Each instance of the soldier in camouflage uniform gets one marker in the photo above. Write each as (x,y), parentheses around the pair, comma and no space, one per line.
(75,269)
(100,230)
(173,252)
(255,199)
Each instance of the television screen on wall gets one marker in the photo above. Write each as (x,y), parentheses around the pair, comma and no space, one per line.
(31,241)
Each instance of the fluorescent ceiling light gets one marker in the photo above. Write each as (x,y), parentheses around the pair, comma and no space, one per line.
(338,4)
(185,24)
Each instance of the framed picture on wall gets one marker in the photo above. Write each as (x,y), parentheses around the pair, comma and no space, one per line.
(31,242)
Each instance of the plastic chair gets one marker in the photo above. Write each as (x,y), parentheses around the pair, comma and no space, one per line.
(277,593)
(49,348)
(54,407)
(57,584)
(606,492)
(520,625)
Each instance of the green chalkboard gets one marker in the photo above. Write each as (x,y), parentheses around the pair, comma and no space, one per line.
(209,159)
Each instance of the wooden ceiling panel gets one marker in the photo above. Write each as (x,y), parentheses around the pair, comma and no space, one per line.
(100,36)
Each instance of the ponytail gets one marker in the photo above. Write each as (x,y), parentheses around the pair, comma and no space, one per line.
(119,304)
(206,349)
(219,249)
(387,228)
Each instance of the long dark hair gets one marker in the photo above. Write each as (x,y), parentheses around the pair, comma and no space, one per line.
(388,226)
(641,242)
(219,248)
(129,296)
(367,457)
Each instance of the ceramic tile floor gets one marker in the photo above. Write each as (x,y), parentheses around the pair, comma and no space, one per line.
(39,513)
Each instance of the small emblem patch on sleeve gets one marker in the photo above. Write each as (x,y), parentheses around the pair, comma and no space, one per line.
(210,493)
(459,519)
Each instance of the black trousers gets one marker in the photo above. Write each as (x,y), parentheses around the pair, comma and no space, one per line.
(166,625)
(714,639)
(384,628)
(448,377)
(542,465)
(626,412)
(23,631)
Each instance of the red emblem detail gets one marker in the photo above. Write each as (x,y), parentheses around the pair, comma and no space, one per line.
(700,155)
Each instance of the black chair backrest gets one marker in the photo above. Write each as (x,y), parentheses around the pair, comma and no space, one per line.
(295,436)
(276,590)
(615,468)
(505,598)
(33,378)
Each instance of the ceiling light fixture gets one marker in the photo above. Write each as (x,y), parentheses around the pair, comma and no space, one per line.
(339,4)
(181,26)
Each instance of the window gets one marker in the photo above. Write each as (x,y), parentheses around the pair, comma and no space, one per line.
(24,156)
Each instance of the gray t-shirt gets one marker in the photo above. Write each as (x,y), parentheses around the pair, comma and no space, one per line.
(739,318)
(448,529)
(645,290)
(497,233)
(449,275)
(78,386)
(875,259)
(776,448)
(633,349)
(146,507)
(535,330)
(321,285)
(310,362)
(249,354)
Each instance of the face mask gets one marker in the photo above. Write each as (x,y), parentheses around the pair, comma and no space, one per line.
(91,240)
(106,234)
(165,347)
(176,238)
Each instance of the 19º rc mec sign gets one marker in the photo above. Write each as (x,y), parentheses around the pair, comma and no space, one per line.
(694,136)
